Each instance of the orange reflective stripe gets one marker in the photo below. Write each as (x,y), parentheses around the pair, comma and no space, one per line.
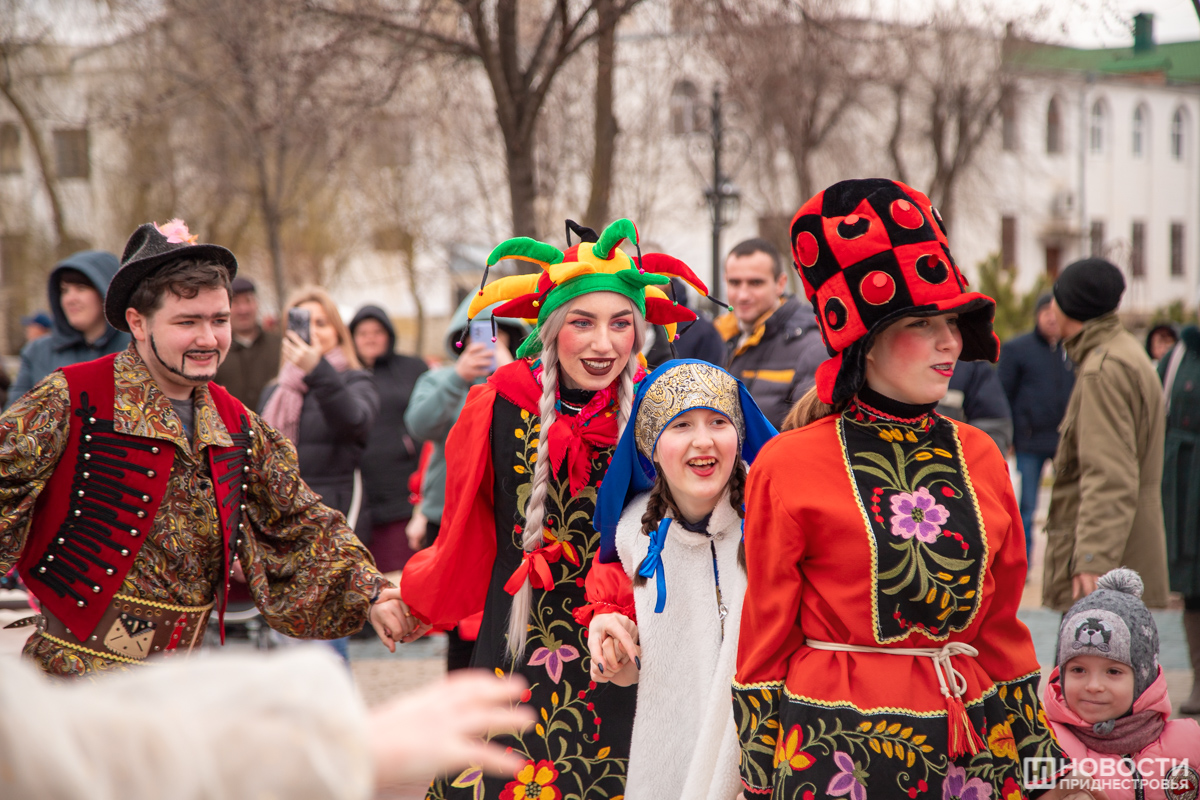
(773,375)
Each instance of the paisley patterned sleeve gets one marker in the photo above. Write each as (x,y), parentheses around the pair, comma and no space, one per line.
(310,575)
(33,436)
(769,631)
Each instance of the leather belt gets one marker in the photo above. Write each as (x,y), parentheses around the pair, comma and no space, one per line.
(133,629)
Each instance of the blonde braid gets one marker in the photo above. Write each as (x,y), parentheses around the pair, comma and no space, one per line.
(535,507)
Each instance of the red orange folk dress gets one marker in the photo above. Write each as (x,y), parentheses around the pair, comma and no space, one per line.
(579,746)
(889,531)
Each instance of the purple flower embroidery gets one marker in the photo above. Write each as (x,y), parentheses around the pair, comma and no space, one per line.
(957,787)
(553,659)
(917,514)
(846,782)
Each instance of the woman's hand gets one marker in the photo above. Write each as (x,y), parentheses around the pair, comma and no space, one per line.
(297,351)
(415,530)
(390,618)
(442,726)
(612,643)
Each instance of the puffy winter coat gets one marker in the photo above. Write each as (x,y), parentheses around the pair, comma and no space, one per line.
(1179,740)
(778,359)
(65,345)
(1037,380)
(335,425)
(391,455)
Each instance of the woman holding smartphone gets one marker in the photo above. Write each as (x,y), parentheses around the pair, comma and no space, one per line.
(325,402)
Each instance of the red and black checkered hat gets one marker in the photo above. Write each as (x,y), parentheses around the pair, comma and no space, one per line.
(869,252)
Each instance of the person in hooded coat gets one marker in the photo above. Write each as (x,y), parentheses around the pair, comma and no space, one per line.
(391,455)
(80,331)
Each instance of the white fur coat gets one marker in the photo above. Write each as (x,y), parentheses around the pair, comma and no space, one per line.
(684,744)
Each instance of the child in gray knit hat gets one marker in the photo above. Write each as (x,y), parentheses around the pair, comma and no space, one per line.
(1107,699)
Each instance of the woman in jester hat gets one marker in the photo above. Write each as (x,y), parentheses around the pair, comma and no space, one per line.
(881,655)
(676,486)
(524,462)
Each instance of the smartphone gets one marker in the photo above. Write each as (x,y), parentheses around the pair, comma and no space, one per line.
(300,321)
(481,331)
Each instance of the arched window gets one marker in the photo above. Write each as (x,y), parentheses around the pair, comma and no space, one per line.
(1179,133)
(1054,128)
(1141,130)
(685,107)
(1096,131)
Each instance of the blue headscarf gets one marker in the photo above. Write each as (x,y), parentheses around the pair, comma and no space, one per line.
(675,387)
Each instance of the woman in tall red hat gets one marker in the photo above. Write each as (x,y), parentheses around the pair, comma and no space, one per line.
(524,462)
(880,651)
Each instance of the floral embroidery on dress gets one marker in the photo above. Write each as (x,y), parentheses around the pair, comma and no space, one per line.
(534,782)
(917,514)
(959,787)
(850,780)
(553,659)
(930,552)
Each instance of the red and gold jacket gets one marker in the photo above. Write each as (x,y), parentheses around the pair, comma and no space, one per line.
(308,574)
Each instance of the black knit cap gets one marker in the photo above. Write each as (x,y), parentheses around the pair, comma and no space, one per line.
(150,248)
(1089,288)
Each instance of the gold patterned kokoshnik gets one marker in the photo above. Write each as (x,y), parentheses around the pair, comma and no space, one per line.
(682,388)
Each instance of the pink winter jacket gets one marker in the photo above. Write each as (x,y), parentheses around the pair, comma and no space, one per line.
(1161,758)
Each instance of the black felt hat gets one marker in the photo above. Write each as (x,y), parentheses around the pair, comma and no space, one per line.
(150,247)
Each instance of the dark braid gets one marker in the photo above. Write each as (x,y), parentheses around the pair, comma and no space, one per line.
(737,499)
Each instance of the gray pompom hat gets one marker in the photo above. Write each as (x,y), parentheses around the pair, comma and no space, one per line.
(1113,622)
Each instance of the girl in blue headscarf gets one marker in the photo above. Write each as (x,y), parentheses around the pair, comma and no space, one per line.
(670,512)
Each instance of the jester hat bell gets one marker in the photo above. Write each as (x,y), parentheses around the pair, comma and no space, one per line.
(596,264)
(869,252)
(677,386)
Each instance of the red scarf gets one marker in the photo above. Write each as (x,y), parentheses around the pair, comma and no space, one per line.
(579,437)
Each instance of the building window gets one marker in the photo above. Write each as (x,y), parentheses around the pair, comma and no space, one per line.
(1178,134)
(1097,239)
(1137,254)
(1053,260)
(1008,120)
(685,108)
(1176,249)
(1008,242)
(1141,119)
(1096,132)
(71,154)
(1054,131)
(10,149)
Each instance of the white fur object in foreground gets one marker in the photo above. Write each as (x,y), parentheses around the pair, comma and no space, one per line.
(684,742)
(223,726)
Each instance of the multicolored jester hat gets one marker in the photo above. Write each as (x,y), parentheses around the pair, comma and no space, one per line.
(596,264)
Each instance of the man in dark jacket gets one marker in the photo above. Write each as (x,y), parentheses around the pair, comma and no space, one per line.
(773,343)
(253,359)
(1037,378)
(76,289)
(697,339)
(391,455)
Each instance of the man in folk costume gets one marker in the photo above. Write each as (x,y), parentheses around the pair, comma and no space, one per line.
(129,484)
(880,651)
(524,462)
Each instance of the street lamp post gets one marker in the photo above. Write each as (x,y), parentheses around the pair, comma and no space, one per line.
(723,197)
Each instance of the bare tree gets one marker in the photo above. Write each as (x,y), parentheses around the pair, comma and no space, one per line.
(950,84)
(796,69)
(522,51)
(263,101)
(24,40)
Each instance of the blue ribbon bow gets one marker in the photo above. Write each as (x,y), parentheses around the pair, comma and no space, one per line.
(652,565)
